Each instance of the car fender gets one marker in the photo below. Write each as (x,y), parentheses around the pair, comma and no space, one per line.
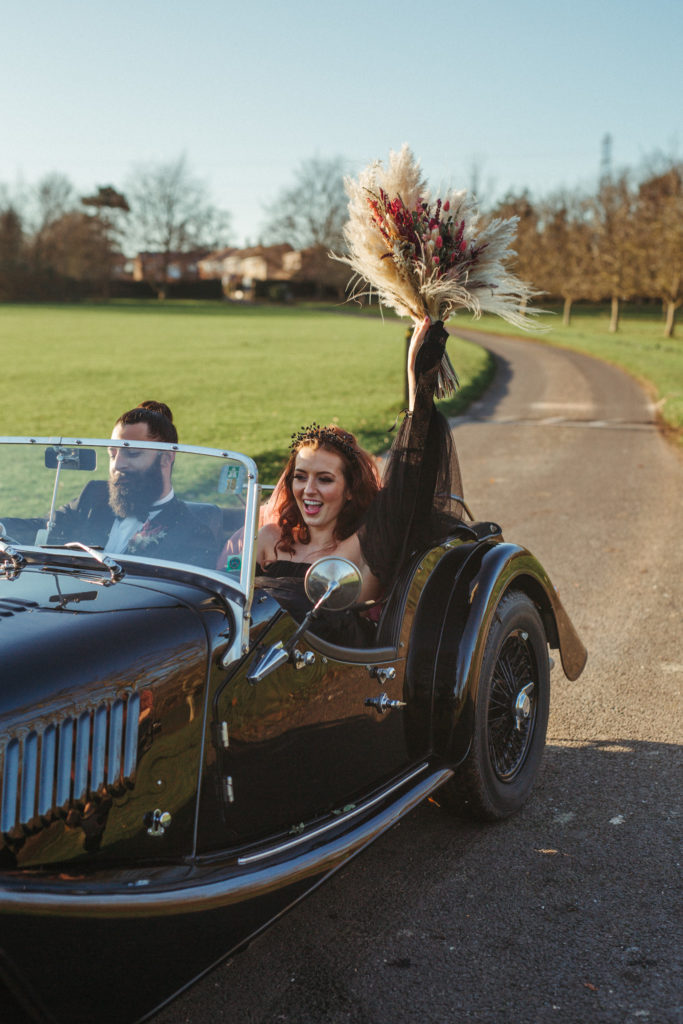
(489,573)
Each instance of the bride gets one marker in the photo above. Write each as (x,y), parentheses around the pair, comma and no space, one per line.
(329,501)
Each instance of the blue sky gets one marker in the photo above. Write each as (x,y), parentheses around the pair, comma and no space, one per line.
(524,90)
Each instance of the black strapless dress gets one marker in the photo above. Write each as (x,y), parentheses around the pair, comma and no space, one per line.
(282,567)
(284,579)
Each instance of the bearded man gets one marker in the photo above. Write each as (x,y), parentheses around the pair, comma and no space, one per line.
(136,511)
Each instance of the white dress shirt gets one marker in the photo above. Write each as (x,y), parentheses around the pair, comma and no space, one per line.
(124,530)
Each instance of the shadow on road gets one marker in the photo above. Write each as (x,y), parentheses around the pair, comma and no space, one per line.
(562,913)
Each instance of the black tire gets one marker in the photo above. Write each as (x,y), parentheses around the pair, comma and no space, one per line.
(511,715)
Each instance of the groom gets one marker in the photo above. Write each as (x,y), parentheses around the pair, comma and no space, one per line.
(136,511)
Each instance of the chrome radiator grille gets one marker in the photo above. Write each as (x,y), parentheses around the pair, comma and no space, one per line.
(47,770)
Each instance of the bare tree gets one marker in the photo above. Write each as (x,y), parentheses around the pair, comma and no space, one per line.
(483,191)
(50,200)
(616,244)
(79,248)
(107,198)
(11,236)
(53,247)
(530,264)
(566,250)
(171,214)
(313,210)
(110,208)
(11,252)
(660,222)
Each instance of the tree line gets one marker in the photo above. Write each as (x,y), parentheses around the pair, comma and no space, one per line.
(56,244)
(620,242)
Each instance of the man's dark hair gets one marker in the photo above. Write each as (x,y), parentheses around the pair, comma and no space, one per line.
(157,416)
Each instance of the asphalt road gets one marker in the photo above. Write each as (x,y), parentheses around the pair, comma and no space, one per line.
(567,912)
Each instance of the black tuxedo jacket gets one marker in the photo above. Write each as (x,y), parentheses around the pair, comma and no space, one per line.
(174,533)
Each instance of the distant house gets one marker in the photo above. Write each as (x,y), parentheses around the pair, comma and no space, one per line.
(263,262)
(239,270)
(122,267)
(260,269)
(311,271)
(168,267)
(210,267)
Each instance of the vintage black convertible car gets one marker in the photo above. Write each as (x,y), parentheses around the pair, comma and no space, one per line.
(181,760)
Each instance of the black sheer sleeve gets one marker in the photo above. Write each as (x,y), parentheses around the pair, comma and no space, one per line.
(414,507)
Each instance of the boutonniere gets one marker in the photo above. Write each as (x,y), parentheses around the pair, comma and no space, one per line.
(149,536)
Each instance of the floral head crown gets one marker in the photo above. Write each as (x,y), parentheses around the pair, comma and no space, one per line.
(322,435)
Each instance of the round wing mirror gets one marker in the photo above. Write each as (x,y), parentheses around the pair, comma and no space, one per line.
(334,582)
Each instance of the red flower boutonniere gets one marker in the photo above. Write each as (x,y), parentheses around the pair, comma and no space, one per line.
(145,540)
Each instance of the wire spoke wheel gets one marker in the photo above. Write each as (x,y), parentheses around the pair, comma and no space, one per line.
(512,707)
(510,717)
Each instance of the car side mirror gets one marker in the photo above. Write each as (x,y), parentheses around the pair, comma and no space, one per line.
(333,582)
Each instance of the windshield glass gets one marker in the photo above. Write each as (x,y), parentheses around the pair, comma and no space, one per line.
(132,500)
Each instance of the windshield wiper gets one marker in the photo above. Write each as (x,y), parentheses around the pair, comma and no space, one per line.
(116,571)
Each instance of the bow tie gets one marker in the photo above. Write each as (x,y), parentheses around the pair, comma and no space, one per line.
(152,510)
(144,514)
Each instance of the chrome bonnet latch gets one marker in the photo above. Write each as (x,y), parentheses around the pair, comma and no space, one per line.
(384,703)
(383,674)
(157,822)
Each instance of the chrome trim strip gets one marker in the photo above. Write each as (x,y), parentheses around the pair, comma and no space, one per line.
(136,900)
(130,751)
(273,851)
(48,761)
(100,442)
(29,772)
(63,762)
(80,767)
(99,746)
(115,739)
(248,566)
(64,758)
(8,813)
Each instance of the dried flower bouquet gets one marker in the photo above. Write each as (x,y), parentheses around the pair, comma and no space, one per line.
(425,257)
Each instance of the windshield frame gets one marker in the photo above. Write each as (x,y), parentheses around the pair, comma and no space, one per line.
(245,582)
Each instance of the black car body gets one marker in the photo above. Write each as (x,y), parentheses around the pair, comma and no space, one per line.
(181,761)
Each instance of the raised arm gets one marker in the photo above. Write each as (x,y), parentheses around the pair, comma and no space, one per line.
(414,508)
(419,334)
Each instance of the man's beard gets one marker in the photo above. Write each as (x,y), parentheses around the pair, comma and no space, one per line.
(133,494)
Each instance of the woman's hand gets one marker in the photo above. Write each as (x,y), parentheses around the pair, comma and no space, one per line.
(419,333)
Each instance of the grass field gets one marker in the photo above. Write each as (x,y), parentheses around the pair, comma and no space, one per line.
(637,347)
(237,377)
(245,377)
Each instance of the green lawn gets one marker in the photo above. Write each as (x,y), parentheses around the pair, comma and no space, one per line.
(637,347)
(237,377)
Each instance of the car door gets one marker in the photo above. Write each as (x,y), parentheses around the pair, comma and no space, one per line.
(304,742)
